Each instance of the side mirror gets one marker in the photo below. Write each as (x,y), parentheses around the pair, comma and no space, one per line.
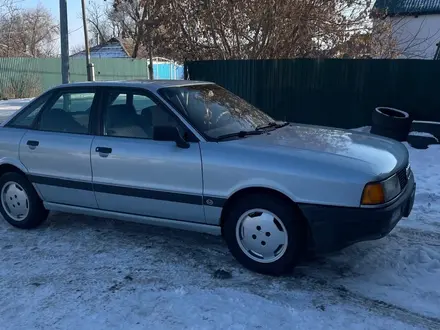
(169,133)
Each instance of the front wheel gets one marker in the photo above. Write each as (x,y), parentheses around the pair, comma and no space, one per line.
(265,234)
(20,204)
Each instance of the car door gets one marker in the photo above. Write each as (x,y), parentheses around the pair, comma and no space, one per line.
(56,151)
(135,174)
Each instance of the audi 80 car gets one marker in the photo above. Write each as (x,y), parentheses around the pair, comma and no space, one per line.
(192,155)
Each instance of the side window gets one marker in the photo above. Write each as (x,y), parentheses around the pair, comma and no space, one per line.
(118,98)
(135,118)
(141,102)
(27,117)
(70,113)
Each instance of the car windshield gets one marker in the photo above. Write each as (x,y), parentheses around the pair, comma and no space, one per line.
(214,111)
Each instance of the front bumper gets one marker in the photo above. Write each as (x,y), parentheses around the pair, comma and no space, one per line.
(334,228)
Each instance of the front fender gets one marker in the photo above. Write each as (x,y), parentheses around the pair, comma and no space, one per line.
(261,183)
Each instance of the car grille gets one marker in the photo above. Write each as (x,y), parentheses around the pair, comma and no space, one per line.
(403,179)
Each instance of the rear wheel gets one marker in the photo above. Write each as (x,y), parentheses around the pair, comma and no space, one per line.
(20,204)
(265,234)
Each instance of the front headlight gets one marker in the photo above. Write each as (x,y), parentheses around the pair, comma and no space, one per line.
(381,192)
(408,171)
(391,187)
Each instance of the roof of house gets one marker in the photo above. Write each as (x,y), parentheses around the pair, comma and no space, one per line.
(114,48)
(408,7)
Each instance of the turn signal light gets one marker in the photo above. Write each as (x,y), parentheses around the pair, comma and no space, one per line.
(373,194)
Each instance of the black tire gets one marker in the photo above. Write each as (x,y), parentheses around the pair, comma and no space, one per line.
(37,213)
(394,134)
(391,123)
(421,142)
(292,221)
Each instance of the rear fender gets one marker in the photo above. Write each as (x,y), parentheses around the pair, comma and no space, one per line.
(7,161)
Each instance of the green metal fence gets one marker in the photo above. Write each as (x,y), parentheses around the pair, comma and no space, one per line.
(25,77)
(331,92)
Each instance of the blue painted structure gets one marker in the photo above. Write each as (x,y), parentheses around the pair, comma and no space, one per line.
(167,70)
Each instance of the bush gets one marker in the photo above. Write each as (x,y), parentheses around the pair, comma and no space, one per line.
(23,86)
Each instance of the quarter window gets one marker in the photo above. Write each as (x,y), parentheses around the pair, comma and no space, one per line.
(26,118)
(70,113)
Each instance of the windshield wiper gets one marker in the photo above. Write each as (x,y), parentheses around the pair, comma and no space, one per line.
(240,134)
(258,130)
(272,124)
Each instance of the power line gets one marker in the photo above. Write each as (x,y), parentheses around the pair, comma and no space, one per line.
(70,32)
(52,40)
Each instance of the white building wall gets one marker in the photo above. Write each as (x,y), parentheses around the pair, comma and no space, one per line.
(417,37)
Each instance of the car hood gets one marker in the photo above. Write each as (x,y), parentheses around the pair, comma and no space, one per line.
(385,155)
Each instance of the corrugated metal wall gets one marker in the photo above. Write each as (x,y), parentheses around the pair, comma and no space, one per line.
(43,73)
(331,92)
(167,70)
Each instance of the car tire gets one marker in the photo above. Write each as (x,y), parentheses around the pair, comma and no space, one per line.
(279,225)
(20,204)
(391,123)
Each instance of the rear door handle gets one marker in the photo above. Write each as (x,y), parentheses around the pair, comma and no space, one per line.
(104,150)
(33,143)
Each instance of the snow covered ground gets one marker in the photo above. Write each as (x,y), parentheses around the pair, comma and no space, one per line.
(78,272)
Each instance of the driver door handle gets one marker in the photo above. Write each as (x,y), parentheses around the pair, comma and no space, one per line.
(32,143)
(103,150)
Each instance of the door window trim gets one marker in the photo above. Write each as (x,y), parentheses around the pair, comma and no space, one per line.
(56,94)
(105,91)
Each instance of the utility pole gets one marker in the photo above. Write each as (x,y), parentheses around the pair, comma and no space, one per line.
(90,66)
(64,34)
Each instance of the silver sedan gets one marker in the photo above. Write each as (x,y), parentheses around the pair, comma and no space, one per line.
(192,155)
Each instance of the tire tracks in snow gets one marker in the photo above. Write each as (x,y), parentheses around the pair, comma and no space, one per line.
(340,294)
(416,235)
(304,279)
(211,254)
(339,270)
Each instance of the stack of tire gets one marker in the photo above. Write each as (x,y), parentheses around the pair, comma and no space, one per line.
(391,123)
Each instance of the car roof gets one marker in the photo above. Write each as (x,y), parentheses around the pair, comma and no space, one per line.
(152,85)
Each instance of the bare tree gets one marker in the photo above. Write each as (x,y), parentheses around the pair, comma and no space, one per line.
(136,19)
(256,29)
(76,49)
(41,30)
(28,33)
(227,29)
(101,27)
(262,28)
(7,8)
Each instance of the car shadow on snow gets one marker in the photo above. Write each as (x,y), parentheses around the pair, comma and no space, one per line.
(152,247)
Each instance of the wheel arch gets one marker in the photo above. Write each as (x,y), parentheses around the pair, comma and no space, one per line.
(10,165)
(236,196)
(7,167)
